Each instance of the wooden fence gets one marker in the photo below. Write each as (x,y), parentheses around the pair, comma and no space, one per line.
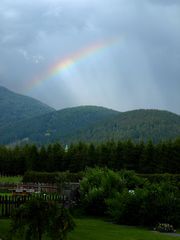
(8,203)
(40,187)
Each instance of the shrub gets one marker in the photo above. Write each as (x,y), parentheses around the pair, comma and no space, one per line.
(132,179)
(128,207)
(97,186)
(37,217)
(146,206)
(164,227)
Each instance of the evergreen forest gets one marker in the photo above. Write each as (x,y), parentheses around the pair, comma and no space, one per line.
(141,157)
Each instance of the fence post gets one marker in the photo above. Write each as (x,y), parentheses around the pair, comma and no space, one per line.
(6,206)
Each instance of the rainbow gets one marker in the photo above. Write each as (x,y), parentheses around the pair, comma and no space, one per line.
(67,62)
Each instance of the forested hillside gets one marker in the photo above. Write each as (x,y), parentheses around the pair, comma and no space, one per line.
(23,119)
(55,126)
(15,107)
(138,125)
(93,124)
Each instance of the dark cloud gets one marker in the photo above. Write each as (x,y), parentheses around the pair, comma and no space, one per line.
(140,71)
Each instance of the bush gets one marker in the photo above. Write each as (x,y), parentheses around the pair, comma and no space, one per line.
(38,217)
(132,179)
(128,207)
(147,206)
(98,185)
(161,177)
(164,227)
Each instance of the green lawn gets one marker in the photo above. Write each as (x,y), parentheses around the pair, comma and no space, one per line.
(15,179)
(94,229)
(5,194)
(4,227)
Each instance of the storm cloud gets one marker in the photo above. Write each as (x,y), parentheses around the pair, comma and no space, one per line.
(141,70)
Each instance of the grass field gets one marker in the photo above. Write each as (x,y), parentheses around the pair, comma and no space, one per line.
(94,229)
(91,229)
(15,179)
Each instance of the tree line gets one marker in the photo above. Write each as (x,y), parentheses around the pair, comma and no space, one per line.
(140,157)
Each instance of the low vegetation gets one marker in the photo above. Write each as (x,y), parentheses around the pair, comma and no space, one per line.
(38,217)
(128,199)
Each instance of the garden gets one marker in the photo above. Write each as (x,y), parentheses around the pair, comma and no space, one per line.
(109,205)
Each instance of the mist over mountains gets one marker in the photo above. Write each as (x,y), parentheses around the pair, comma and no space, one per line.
(26,120)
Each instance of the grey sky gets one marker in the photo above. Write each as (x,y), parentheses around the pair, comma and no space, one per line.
(141,70)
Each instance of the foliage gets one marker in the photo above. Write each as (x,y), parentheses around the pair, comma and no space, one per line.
(144,158)
(161,177)
(138,125)
(146,206)
(37,217)
(60,222)
(90,124)
(55,125)
(132,179)
(130,199)
(96,186)
(124,207)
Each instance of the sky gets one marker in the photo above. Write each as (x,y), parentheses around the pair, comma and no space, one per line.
(139,68)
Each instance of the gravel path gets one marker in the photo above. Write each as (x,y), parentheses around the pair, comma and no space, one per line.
(172,234)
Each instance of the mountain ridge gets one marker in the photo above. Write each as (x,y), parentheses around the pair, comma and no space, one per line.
(64,121)
(138,125)
(15,107)
(72,125)
(87,123)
